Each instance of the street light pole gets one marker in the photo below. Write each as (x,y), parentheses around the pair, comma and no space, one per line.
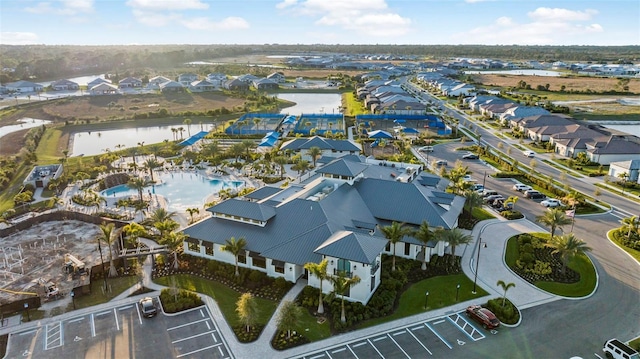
(475,277)
(457,291)
(426,300)
(26,308)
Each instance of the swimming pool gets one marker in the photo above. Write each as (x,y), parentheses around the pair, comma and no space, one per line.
(182,190)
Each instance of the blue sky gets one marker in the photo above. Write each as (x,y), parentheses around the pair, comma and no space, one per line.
(485,22)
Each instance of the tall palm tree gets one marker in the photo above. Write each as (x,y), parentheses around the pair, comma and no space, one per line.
(314,152)
(318,270)
(554,218)
(138,184)
(235,247)
(473,200)
(160,215)
(108,236)
(134,231)
(173,241)
(193,211)
(187,121)
(424,235)
(630,224)
(505,287)
(149,165)
(340,285)
(567,246)
(166,226)
(394,234)
(455,237)
(248,145)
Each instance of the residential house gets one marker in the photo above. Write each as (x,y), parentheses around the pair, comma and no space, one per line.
(236,85)
(172,86)
(203,86)
(615,149)
(523,124)
(24,87)
(570,144)
(461,89)
(130,82)
(334,216)
(96,82)
(265,84)
(40,176)
(104,89)
(628,169)
(522,111)
(248,78)
(277,77)
(156,81)
(187,78)
(217,78)
(64,85)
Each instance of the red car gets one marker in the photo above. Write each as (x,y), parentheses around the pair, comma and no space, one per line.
(483,316)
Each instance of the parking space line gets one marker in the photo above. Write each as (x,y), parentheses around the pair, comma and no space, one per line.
(139,316)
(115,315)
(461,328)
(439,322)
(359,344)
(416,328)
(199,350)
(191,337)
(102,313)
(220,351)
(201,313)
(418,340)
(399,347)
(187,324)
(317,356)
(126,307)
(380,338)
(213,335)
(352,352)
(476,330)
(93,327)
(438,335)
(75,320)
(329,355)
(398,333)
(208,326)
(339,350)
(376,349)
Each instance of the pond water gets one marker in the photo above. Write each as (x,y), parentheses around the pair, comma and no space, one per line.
(182,190)
(632,129)
(524,72)
(312,103)
(23,124)
(95,142)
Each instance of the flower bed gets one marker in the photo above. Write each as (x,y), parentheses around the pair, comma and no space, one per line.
(282,341)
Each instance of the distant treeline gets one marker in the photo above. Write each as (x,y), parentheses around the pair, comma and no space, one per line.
(42,62)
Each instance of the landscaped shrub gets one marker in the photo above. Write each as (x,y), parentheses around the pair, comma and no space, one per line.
(280,340)
(178,300)
(512,214)
(537,263)
(507,314)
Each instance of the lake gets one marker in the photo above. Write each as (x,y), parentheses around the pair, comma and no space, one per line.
(630,129)
(312,103)
(23,124)
(524,72)
(95,142)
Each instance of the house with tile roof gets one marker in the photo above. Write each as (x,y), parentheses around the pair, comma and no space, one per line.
(130,82)
(156,81)
(615,149)
(629,168)
(335,215)
(235,85)
(64,85)
(569,144)
(203,86)
(277,77)
(265,84)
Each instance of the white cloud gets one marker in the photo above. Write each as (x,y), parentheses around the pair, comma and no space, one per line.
(556,14)
(286,3)
(168,4)
(203,23)
(62,7)
(547,27)
(18,38)
(368,17)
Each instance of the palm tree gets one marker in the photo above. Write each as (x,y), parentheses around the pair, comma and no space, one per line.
(314,152)
(161,214)
(166,226)
(567,246)
(281,161)
(192,211)
(623,176)
(424,235)
(173,241)
(318,270)
(288,316)
(236,150)
(187,121)
(134,230)
(108,237)
(138,184)
(248,146)
(473,200)
(630,224)
(149,165)
(505,287)
(340,285)
(235,247)
(394,233)
(554,218)
(455,237)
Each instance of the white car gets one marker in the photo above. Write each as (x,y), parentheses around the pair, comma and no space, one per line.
(521,187)
(551,202)
(467,178)
(426,149)
(530,154)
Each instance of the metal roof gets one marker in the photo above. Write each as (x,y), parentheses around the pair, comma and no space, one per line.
(245,209)
(264,192)
(341,167)
(357,247)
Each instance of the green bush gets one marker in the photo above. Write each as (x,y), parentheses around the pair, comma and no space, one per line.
(508,314)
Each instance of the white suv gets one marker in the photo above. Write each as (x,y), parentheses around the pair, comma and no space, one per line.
(551,202)
(615,349)
(521,187)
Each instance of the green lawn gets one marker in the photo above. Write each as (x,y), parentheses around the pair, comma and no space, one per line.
(225,296)
(581,264)
(353,106)
(47,150)
(481,214)
(442,293)
(308,326)
(97,295)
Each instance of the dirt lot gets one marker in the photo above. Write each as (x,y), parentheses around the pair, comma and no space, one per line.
(571,83)
(12,143)
(38,254)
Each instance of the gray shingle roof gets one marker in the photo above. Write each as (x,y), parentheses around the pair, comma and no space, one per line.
(341,167)
(357,247)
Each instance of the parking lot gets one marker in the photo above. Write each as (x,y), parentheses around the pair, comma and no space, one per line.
(122,332)
(438,337)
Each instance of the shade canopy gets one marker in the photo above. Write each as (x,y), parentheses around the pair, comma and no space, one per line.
(410,130)
(379,134)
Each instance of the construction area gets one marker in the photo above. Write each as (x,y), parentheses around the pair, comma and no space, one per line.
(47,260)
